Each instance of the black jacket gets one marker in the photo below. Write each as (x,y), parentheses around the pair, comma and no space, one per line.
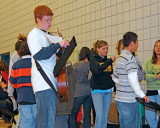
(3,94)
(102,70)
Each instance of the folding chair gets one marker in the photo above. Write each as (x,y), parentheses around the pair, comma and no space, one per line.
(152,105)
(6,107)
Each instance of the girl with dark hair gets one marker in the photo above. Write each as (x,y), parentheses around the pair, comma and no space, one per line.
(4,73)
(82,94)
(85,53)
(152,69)
(3,86)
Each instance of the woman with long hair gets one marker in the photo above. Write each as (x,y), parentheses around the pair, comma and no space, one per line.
(4,72)
(3,86)
(152,69)
(102,84)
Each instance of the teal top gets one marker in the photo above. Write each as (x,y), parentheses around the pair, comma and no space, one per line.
(102,91)
(151,73)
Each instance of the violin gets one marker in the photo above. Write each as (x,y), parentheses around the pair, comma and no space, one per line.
(62,79)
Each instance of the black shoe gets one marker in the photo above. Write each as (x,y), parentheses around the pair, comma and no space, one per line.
(16,112)
(7,121)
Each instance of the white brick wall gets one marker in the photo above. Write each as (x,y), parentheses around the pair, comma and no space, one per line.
(87,20)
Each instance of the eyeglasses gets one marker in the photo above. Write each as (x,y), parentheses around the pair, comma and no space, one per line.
(49,20)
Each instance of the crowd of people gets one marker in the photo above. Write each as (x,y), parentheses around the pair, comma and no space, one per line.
(38,105)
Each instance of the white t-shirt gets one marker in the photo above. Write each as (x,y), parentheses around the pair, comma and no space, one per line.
(36,40)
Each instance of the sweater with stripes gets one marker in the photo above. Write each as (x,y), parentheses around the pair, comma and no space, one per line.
(20,78)
(125,65)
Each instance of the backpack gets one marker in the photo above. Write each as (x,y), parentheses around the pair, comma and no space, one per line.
(141,74)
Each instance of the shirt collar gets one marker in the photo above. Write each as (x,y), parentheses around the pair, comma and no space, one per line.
(126,51)
(26,56)
(46,31)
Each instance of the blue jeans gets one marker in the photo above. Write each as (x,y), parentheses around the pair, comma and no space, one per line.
(27,115)
(129,116)
(101,103)
(87,104)
(46,109)
(61,121)
(150,113)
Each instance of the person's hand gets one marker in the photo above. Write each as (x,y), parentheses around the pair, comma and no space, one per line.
(158,77)
(147,100)
(113,58)
(4,86)
(0,84)
(64,43)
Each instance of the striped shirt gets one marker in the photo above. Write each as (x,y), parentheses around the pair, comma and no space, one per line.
(125,64)
(21,72)
(20,78)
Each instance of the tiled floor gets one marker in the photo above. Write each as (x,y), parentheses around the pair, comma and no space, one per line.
(16,118)
(5,125)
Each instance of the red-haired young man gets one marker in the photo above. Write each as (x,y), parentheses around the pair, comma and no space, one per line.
(43,47)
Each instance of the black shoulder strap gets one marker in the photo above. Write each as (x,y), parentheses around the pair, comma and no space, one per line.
(39,68)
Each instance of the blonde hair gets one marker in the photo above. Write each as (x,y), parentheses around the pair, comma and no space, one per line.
(119,46)
(99,44)
(94,45)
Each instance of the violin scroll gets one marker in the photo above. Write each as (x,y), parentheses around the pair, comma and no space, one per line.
(60,34)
